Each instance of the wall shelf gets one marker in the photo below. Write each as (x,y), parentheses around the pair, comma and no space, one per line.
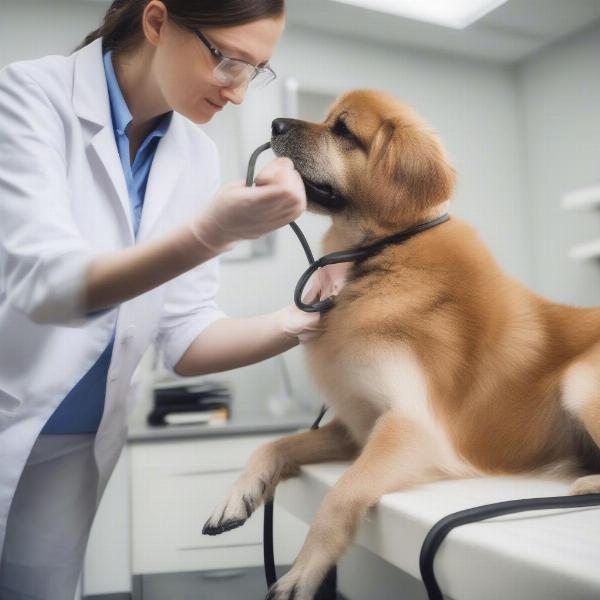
(587,197)
(583,198)
(585,250)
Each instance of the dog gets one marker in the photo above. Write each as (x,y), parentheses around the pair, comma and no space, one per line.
(436,363)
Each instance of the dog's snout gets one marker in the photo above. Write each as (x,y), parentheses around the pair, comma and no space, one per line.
(280,126)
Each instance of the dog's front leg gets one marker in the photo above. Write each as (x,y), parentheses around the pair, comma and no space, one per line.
(273,462)
(392,459)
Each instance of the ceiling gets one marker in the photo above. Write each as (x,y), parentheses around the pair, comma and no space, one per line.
(508,34)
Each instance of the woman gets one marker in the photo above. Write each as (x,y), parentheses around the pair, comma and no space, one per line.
(111,221)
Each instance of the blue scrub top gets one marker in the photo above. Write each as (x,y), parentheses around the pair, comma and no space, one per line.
(82,408)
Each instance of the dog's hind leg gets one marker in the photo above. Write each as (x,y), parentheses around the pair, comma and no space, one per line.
(274,462)
(394,458)
(581,397)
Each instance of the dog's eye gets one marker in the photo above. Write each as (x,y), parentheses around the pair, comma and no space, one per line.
(340,128)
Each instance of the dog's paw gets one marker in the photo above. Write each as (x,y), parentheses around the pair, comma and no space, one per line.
(293,586)
(236,510)
(589,484)
(233,513)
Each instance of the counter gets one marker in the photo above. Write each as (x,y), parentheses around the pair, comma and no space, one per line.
(545,555)
(245,424)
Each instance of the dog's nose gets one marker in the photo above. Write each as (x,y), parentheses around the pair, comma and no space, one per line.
(280,126)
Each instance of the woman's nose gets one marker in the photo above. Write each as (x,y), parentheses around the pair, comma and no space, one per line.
(234,95)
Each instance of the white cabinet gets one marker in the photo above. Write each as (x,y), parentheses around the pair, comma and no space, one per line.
(151,516)
(175,486)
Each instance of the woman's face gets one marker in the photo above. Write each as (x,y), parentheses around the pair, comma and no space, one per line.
(183,66)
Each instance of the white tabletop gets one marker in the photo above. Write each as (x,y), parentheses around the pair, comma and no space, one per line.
(545,555)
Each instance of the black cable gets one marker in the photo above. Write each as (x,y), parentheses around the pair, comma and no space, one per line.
(252,163)
(443,527)
(293,225)
(268,546)
(315,425)
(303,242)
(353,255)
(268,550)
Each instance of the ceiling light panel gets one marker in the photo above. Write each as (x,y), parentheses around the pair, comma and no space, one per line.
(457,14)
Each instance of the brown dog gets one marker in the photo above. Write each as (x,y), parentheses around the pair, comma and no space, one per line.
(437,364)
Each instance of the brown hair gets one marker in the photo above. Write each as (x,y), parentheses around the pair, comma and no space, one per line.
(121,30)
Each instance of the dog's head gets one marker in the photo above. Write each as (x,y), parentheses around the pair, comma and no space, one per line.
(372,159)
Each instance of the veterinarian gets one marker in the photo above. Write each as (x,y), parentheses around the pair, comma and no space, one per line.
(111,221)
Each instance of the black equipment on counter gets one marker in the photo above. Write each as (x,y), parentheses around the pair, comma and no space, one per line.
(190,404)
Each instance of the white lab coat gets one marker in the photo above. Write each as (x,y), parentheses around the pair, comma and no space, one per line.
(63,199)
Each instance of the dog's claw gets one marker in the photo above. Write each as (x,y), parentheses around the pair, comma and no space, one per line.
(274,594)
(222,527)
(248,505)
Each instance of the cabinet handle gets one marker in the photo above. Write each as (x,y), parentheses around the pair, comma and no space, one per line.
(223,574)
(211,547)
(206,472)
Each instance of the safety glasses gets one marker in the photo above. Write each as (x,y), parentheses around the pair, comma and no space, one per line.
(234,72)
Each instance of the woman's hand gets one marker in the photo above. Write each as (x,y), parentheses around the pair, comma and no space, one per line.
(240,212)
(327,281)
(233,343)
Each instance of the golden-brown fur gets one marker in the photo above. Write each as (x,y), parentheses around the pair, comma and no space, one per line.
(436,362)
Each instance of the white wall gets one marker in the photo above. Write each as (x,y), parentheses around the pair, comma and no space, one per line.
(30,29)
(472,105)
(560,112)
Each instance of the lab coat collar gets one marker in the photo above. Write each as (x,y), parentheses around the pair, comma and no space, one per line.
(90,90)
(91,102)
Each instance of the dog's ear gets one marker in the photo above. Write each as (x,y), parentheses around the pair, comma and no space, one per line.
(407,164)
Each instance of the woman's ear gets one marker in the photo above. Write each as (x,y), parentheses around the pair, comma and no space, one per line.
(408,165)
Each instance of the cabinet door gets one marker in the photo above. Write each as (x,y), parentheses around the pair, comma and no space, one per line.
(195,455)
(175,487)
(155,504)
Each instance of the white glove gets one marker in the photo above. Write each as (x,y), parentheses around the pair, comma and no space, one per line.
(306,326)
(238,212)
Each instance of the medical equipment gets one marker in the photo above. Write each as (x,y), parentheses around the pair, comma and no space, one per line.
(175,404)
(352,255)
(440,530)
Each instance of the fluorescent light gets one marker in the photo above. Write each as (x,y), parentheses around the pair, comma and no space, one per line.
(450,13)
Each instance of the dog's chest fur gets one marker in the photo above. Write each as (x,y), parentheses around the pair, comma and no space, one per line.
(364,381)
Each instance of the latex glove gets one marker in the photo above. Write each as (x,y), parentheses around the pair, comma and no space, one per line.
(306,326)
(239,212)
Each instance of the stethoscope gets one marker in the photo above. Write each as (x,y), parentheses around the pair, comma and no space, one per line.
(334,258)
(442,528)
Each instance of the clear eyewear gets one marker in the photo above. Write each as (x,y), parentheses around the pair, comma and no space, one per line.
(234,72)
